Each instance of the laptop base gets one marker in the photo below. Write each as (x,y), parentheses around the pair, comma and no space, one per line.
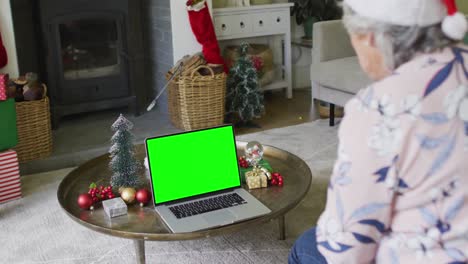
(253,208)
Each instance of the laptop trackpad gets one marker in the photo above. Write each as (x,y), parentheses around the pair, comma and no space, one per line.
(221,217)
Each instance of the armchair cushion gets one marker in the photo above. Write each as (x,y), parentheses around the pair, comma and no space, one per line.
(342,74)
(331,41)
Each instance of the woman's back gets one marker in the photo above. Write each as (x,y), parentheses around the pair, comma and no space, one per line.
(403,159)
(430,211)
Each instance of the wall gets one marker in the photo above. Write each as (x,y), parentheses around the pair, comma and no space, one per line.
(301,56)
(184,41)
(8,37)
(463,6)
(160,48)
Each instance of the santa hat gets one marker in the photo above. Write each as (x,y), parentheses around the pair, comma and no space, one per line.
(454,25)
(415,13)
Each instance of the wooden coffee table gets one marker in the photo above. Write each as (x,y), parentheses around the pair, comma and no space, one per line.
(142,224)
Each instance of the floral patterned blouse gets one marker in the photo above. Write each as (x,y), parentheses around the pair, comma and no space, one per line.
(399,189)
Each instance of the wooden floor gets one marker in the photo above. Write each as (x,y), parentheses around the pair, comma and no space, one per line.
(81,137)
(282,112)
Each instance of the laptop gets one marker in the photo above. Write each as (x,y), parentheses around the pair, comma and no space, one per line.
(196,182)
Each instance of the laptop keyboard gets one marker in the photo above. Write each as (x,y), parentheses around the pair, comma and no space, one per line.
(207,205)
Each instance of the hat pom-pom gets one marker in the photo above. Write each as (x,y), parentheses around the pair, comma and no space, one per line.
(455,26)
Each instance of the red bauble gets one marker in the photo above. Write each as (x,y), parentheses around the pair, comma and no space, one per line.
(143,196)
(85,201)
(277,179)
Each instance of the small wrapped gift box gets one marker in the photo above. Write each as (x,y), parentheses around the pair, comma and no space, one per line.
(8,131)
(114,207)
(3,87)
(262,163)
(256,179)
(10,184)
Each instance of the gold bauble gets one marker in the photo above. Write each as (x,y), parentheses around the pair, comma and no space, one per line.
(128,195)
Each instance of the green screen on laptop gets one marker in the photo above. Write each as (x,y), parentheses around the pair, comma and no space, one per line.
(192,163)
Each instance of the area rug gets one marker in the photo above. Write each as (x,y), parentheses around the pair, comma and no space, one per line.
(34,229)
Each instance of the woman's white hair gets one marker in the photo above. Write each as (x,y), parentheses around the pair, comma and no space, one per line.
(398,44)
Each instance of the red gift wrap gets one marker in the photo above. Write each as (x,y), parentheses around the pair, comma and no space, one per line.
(3,54)
(10,184)
(3,87)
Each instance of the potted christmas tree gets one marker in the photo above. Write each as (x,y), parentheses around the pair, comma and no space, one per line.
(244,100)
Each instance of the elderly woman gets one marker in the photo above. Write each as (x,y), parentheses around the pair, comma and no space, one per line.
(399,189)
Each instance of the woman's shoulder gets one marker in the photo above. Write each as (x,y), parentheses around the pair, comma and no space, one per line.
(427,79)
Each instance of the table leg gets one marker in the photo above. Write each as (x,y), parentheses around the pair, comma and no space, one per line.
(332,115)
(281,226)
(139,251)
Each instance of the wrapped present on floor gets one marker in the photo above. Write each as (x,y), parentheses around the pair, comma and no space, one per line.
(256,178)
(3,87)
(10,184)
(8,128)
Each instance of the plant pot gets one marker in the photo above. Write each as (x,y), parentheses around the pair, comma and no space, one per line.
(308,27)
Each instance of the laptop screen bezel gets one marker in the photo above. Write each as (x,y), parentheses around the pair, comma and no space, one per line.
(203,194)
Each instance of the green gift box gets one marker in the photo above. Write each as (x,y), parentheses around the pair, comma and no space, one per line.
(8,131)
(263,163)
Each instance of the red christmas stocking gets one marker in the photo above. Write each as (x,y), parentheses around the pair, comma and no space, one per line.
(3,54)
(202,27)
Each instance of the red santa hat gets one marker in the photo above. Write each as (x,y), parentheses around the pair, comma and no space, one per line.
(415,13)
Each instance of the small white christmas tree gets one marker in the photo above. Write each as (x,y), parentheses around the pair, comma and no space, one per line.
(244,96)
(123,163)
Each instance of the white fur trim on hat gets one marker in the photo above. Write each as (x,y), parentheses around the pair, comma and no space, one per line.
(401,12)
(455,26)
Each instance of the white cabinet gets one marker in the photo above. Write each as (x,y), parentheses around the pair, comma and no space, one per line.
(232,25)
(260,21)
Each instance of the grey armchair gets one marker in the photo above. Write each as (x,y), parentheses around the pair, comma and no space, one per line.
(335,72)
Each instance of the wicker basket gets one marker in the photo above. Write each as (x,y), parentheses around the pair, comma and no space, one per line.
(34,129)
(197,101)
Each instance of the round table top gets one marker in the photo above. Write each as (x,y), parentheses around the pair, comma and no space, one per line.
(145,223)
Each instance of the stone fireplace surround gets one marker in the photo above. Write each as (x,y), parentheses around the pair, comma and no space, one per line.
(155,50)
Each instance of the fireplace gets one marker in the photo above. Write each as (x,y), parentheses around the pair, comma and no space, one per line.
(92,55)
(91,48)
(131,42)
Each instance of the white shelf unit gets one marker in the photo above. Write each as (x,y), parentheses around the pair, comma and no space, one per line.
(270,22)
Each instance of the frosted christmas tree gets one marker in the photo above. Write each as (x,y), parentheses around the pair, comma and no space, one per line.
(123,163)
(244,96)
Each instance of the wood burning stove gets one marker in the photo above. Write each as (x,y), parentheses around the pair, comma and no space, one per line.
(93,55)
